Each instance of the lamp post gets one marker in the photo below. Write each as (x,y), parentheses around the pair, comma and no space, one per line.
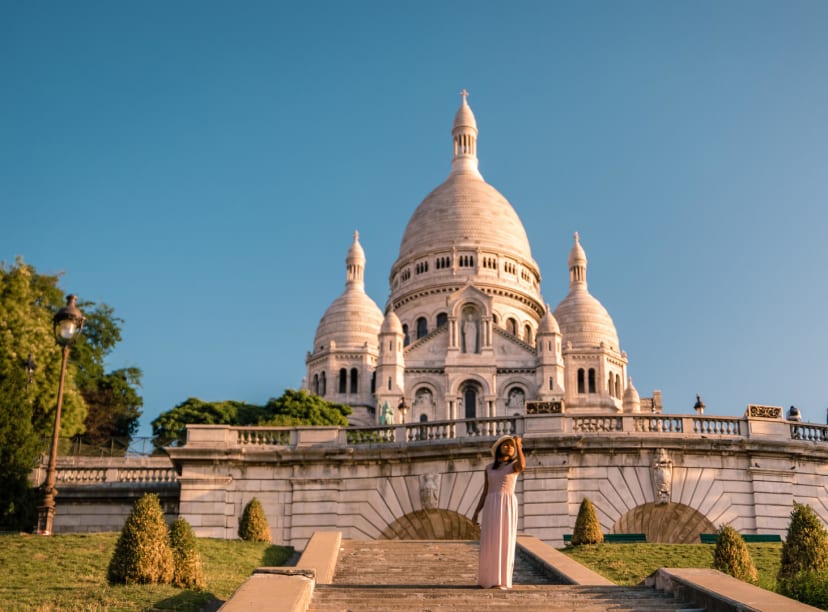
(402,408)
(68,324)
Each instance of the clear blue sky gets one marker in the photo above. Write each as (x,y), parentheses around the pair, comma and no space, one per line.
(201,167)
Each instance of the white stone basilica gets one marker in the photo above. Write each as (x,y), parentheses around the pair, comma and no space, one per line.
(466,332)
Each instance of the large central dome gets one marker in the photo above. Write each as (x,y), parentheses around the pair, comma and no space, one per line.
(465,211)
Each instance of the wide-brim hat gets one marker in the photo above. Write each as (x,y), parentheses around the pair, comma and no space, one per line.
(500,441)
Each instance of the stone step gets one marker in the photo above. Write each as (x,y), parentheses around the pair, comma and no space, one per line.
(441,575)
(465,599)
(441,562)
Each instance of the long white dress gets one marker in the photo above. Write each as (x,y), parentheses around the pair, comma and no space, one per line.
(498,527)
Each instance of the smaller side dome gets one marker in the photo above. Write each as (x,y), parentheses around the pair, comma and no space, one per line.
(632,402)
(353,320)
(548,323)
(391,324)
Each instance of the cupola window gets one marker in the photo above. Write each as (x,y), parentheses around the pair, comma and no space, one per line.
(442,319)
(442,262)
(343,380)
(592,380)
(581,386)
(422,327)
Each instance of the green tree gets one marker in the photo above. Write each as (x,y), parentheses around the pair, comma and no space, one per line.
(28,302)
(732,556)
(587,528)
(303,408)
(293,408)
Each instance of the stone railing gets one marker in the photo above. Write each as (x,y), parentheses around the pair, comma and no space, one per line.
(689,426)
(84,471)
(809,432)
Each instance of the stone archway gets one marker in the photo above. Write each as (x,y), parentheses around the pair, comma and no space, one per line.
(431,525)
(667,523)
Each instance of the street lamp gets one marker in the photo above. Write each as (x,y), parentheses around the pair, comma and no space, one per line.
(402,408)
(68,324)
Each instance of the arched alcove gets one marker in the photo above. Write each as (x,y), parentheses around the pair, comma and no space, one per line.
(431,525)
(668,523)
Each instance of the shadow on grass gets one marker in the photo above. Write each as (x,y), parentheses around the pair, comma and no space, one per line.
(274,556)
(190,601)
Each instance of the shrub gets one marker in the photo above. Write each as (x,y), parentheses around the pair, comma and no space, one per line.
(803,574)
(187,573)
(732,556)
(142,553)
(808,587)
(806,547)
(587,528)
(253,523)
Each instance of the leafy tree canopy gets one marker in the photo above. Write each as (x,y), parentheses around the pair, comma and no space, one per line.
(293,408)
(93,400)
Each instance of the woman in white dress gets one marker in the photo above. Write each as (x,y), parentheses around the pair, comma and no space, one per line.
(498,529)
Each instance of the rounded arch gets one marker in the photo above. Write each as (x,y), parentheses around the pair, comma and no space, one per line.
(431,524)
(670,523)
(467,304)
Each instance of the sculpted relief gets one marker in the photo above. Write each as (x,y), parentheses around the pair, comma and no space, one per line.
(662,472)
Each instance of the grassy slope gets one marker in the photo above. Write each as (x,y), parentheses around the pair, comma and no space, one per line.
(629,564)
(68,572)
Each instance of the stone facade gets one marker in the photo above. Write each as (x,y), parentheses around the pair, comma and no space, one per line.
(466,332)
(670,477)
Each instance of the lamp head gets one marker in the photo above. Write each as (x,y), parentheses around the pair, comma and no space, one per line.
(68,322)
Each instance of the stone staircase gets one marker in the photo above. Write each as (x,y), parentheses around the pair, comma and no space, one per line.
(390,575)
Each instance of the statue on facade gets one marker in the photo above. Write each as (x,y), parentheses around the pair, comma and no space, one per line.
(469,332)
(662,471)
(516,400)
(429,490)
(387,415)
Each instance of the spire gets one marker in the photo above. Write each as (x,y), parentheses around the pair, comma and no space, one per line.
(464,134)
(577,265)
(355,265)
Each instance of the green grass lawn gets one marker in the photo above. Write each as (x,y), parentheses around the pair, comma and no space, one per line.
(68,572)
(629,564)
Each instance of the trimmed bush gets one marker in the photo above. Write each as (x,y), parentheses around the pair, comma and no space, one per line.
(806,547)
(142,554)
(188,573)
(803,574)
(253,525)
(587,528)
(732,556)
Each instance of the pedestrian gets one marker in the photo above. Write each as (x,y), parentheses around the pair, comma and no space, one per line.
(498,529)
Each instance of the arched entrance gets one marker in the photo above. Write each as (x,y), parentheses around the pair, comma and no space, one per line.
(668,523)
(431,524)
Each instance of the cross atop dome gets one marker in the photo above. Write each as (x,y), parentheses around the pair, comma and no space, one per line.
(465,95)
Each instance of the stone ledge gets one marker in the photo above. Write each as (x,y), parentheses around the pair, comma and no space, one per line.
(718,592)
(272,591)
(321,554)
(566,569)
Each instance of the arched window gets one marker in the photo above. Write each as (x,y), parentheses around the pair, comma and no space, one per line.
(354,380)
(618,386)
(442,319)
(316,384)
(374,382)
(406,337)
(423,418)
(422,327)
(470,401)
(389,383)
(527,334)
(343,380)
(592,380)
(551,383)
(611,385)
(581,388)
(323,384)
(511,326)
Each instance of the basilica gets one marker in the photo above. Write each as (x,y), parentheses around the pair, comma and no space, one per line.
(466,332)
